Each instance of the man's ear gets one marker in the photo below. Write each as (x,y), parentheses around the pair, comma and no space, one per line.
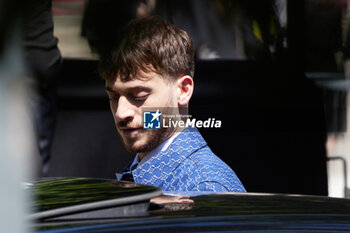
(185,87)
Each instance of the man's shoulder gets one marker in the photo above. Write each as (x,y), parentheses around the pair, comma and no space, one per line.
(209,171)
(205,158)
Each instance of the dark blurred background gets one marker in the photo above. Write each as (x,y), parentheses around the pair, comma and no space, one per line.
(272,71)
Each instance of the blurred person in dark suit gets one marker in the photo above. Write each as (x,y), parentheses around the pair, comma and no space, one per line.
(103,21)
(43,60)
(226,29)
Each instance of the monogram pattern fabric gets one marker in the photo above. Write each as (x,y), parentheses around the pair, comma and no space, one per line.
(186,165)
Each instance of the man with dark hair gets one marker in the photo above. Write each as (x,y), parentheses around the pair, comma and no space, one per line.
(152,67)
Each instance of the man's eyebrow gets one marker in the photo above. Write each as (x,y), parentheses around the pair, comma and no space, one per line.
(141,88)
(137,88)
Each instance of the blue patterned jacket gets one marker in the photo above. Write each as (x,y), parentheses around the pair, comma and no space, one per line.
(187,165)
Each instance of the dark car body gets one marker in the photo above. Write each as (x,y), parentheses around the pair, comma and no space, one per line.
(87,206)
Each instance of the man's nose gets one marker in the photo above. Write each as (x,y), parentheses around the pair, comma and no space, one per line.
(124,110)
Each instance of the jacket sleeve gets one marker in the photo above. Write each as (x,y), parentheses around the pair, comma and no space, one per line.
(209,186)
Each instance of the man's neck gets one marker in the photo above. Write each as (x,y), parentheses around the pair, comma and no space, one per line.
(142,155)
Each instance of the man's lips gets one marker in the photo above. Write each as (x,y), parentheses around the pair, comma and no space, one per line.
(129,131)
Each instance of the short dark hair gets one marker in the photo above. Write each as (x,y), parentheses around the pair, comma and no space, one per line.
(149,44)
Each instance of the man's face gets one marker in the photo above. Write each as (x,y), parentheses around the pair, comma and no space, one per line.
(127,98)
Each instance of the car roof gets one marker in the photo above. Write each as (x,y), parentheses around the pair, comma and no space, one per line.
(215,212)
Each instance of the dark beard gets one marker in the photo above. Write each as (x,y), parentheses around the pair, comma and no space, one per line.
(156,136)
(155,139)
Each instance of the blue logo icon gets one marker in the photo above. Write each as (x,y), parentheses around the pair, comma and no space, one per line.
(151,119)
